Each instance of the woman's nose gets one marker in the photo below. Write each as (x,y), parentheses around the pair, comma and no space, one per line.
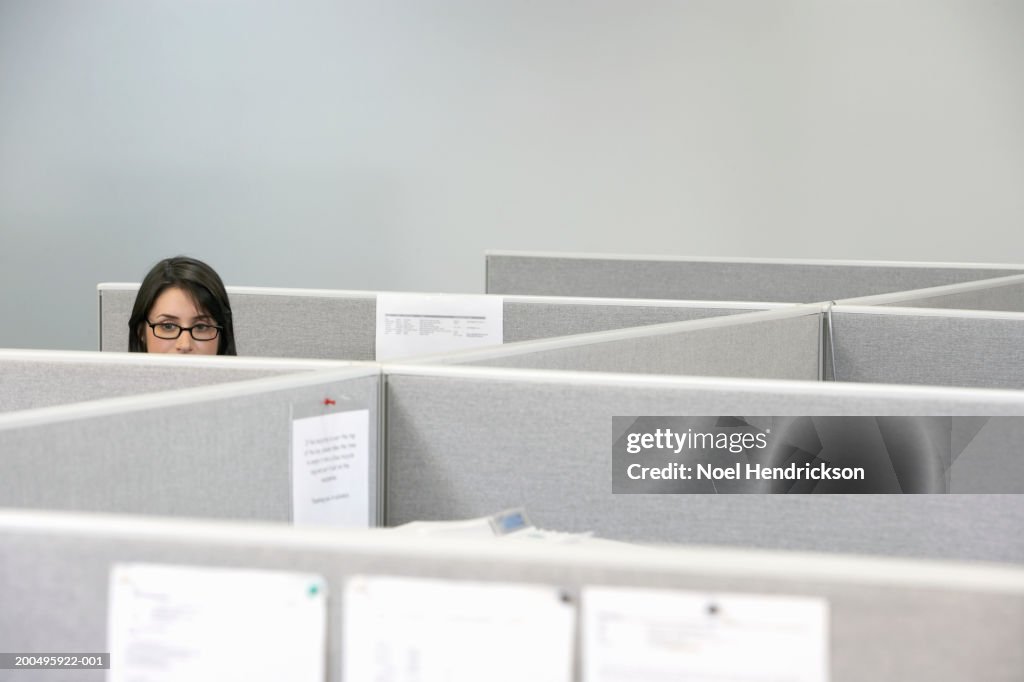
(184,342)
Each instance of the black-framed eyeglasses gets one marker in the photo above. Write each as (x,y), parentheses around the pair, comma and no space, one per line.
(170,331)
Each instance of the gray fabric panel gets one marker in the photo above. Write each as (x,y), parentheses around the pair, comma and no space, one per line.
(115,311)
(225,458)
(462,447)
(35,383)
(721,281)
(55,591)
(526,321)
(1008,298)
(273,326)
(305,326)
(927,349)
(771,349)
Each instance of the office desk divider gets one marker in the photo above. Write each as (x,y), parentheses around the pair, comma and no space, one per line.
(1004,294)
(341,325)
(775,344)
(43,378)
(935,347)
(294,323)
(529,318)
(221,451)
(464,441)
(889,620)
(737,279)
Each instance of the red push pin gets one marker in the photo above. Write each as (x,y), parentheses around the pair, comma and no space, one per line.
(328,401)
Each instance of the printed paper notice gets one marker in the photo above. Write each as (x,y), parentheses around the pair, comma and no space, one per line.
(173,623)
(415,630)
(670,635)
(331,470)
(422,324)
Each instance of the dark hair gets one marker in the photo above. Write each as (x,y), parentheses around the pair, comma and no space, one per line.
(203,286)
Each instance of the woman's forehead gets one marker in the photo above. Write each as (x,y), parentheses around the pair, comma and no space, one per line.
(178,302)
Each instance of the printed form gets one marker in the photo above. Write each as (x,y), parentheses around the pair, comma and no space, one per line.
(643,634)
(419,630)
(173,623)
(422,324)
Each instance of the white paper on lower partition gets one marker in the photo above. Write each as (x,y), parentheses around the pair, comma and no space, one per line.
(418,630)
(643,634)
(331,470)
(421,324)
(175,623)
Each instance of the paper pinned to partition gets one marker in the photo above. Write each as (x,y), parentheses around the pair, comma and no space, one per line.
(418,630)
(422,324)
(644,634)
(173,623)
(331,470)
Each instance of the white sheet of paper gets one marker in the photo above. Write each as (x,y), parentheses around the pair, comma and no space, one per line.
(637,634)
(421,324)
(417,630)
(174,623)
(331,470)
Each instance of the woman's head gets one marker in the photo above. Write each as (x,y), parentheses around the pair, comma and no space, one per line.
(179,294)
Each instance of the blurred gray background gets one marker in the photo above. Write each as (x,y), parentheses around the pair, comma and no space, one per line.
(374,144)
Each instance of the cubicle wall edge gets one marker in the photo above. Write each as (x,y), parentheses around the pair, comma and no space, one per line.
(528,318)
(865,263)
(182,360)
(382,447)
(995,294)
(821,342)
(885,615)
(783,343)
(42,378)
(1001,399)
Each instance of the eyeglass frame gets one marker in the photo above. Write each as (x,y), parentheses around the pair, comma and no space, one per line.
(153,325)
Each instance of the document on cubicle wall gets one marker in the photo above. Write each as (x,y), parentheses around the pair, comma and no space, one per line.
(422,324)
(331,470)
(418,630)
(644,634)
(172,623)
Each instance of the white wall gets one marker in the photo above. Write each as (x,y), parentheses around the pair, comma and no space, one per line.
(386,144)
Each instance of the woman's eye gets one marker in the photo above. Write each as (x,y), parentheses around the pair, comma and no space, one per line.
(167,327)
(201,328)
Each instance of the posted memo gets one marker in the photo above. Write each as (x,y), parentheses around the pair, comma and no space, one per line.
(203,624)
(331,470)
(649,634)
(421,324)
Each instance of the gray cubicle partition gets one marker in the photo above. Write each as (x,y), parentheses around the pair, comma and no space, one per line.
(464,441)
(341,325)
(925,346)
(776,344)
(529,318)
(42,378)
(740,279)
(220,451)
(888,620)
(292,323)
(1000,294)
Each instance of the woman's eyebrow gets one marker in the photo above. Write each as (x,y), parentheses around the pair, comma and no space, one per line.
(166,316)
